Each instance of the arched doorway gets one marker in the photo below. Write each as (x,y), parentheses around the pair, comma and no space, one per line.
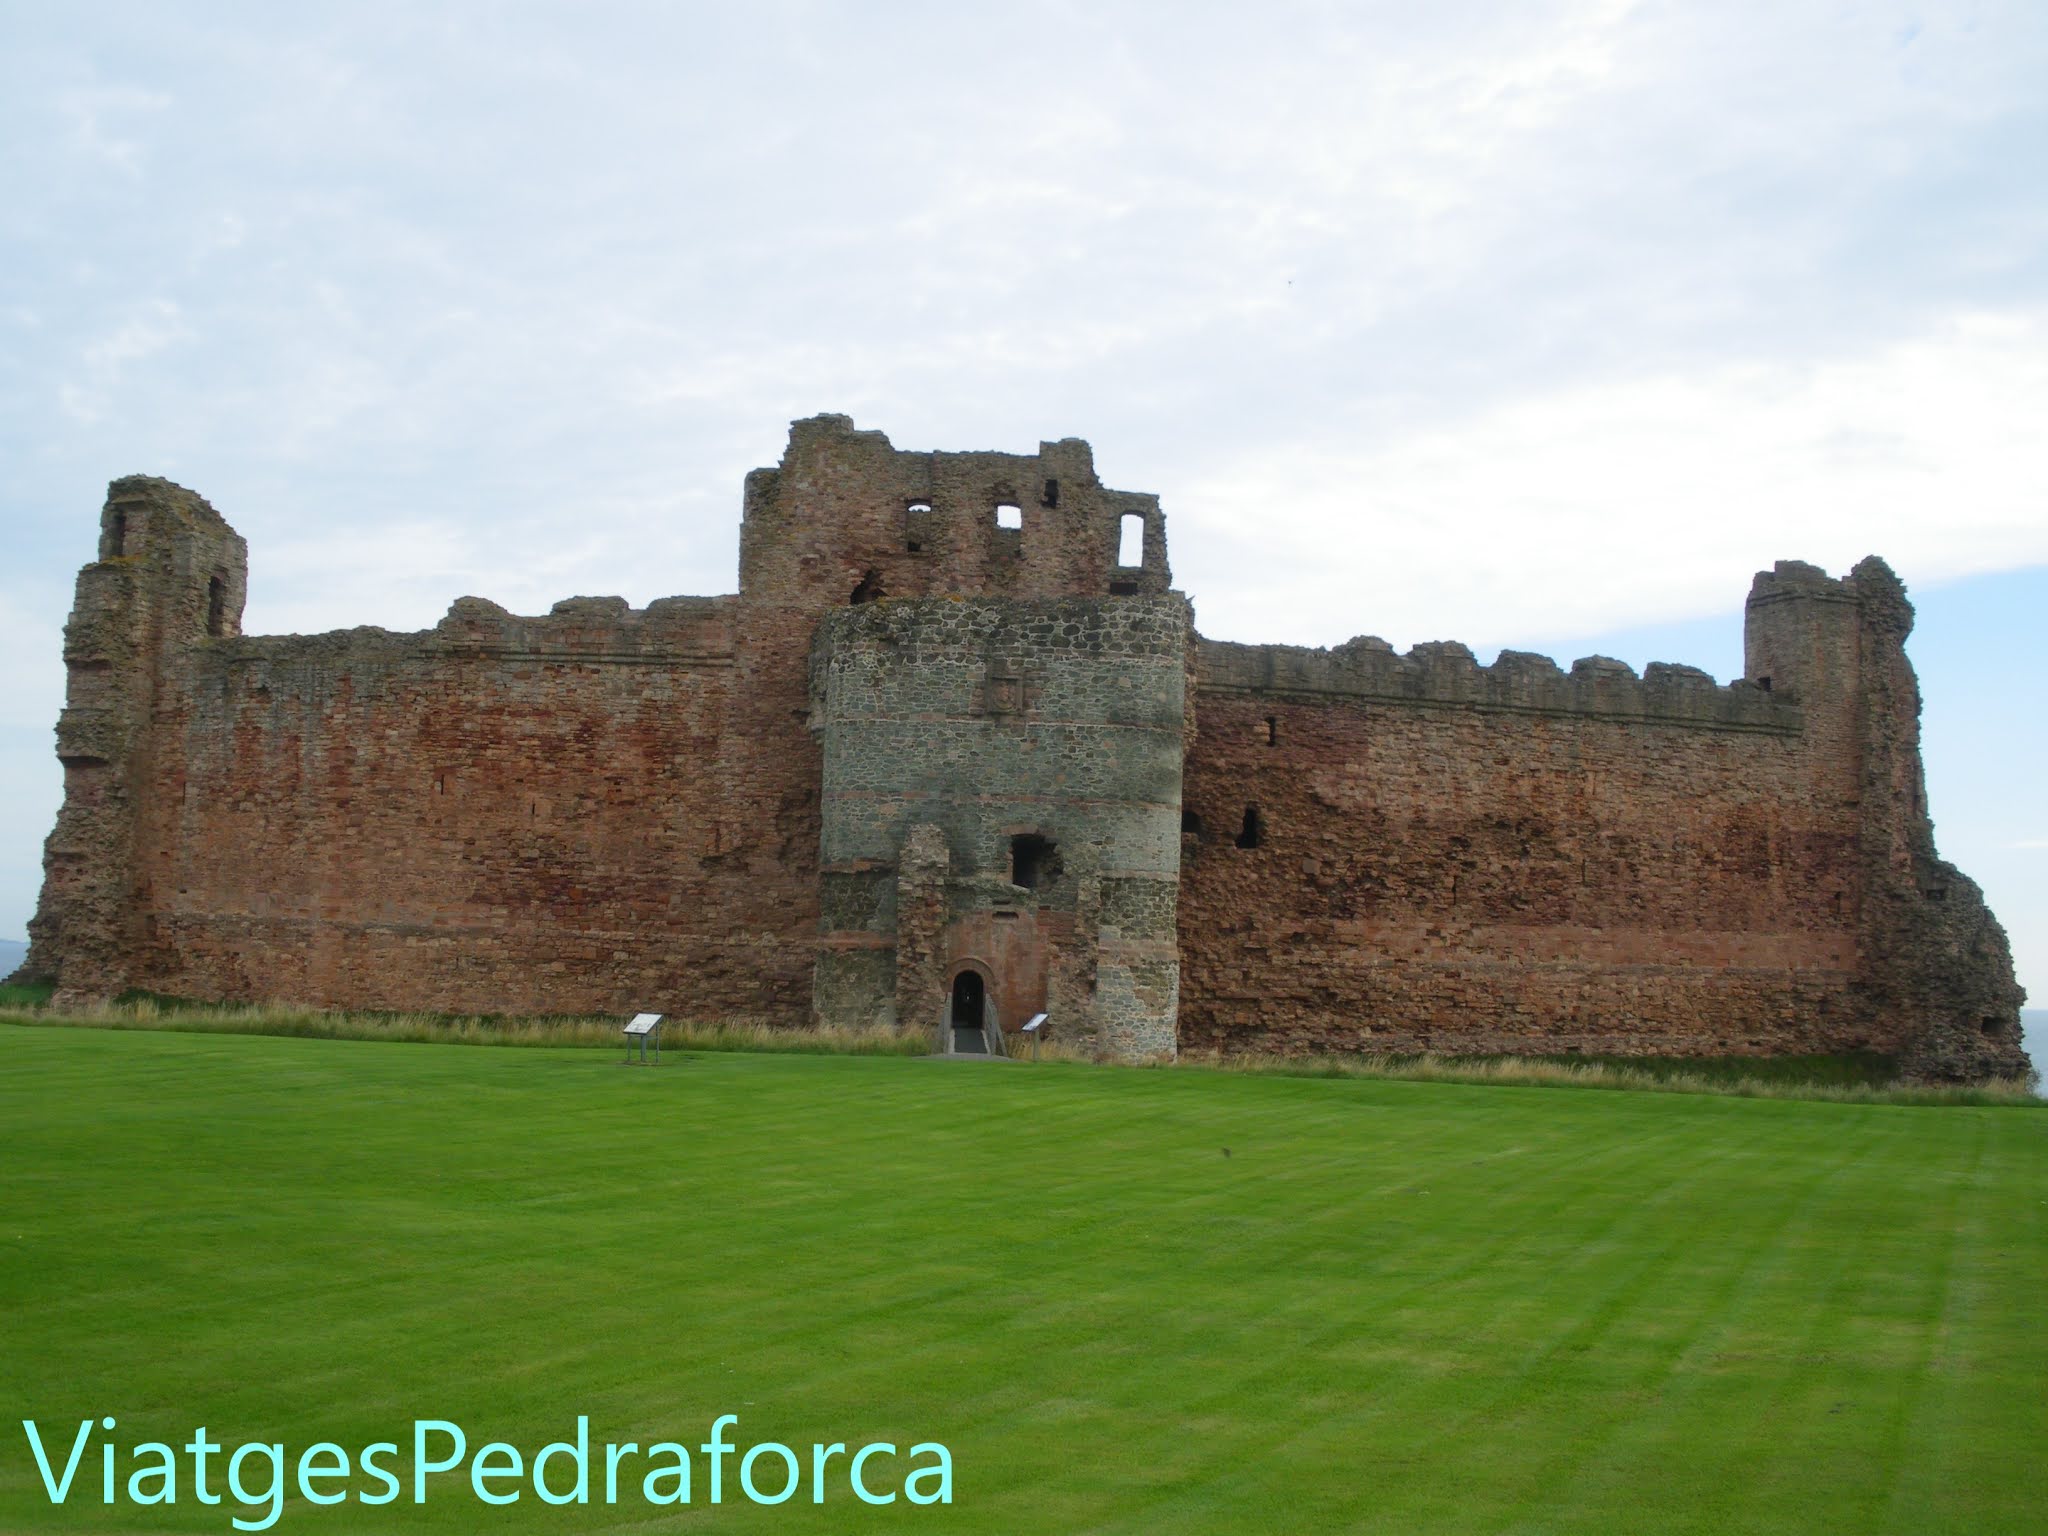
(965,1014)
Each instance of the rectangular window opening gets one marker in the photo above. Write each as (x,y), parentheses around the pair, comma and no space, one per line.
(1034,861)
(1130,539)
(1253,832)
(1009,515)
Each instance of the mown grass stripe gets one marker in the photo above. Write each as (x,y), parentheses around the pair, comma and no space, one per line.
(1399,1306)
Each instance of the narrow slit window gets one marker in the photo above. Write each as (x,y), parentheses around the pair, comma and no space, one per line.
(216,605)
(914,516)
(117,535)
(1130,539)
(1272,730)
(1009,515)
(1051,498)
(1253,832)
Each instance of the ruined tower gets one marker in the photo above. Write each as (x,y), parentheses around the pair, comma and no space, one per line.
(1936,982)
(1000,707)
(170,575)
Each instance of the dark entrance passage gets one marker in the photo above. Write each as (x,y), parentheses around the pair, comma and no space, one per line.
(965,1016)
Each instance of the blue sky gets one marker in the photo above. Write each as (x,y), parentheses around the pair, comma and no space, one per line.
(1541,325)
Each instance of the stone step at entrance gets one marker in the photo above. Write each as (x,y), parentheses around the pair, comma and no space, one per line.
(972,1028)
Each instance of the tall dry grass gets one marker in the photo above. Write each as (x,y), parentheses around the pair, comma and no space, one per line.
(1501,1071)
(338,1024)
(1527,1072)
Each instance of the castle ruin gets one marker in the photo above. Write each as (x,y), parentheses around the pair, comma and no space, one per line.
(955,755)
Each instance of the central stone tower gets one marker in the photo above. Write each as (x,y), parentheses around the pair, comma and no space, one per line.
(999,688)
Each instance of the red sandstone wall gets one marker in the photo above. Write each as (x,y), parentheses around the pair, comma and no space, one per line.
(500,815)
(606,810)
(1585,863)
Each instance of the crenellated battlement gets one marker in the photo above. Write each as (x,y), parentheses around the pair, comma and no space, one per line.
(583,631)
(1446,675)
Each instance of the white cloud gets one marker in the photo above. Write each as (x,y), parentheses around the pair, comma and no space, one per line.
(1478,320)
(101,120)
(105,361)
(1641,498)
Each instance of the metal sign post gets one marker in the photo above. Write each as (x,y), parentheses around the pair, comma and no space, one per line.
(645,1027)
(1036,1030)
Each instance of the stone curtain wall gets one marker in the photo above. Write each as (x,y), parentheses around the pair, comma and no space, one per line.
(496,815)
(1451,857)
(800,802)
(499,815)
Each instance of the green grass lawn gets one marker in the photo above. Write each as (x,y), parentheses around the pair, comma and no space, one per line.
(1393,1306)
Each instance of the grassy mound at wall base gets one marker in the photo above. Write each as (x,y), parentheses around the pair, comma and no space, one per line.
(147,1011)
(1854,1078)
(1128,1301)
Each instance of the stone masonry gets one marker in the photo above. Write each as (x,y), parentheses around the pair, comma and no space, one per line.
(945,760)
